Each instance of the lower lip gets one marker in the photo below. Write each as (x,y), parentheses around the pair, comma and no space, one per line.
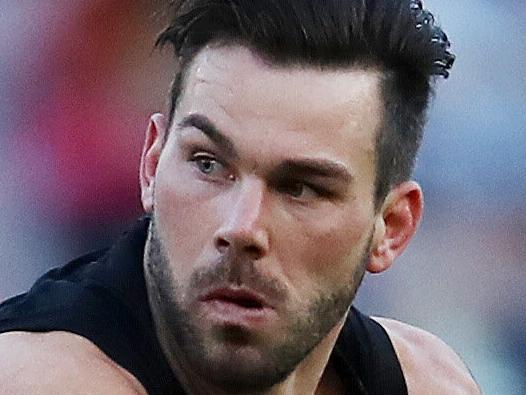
(229,313)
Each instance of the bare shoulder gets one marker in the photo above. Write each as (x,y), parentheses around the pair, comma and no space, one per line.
(59,363)
(430,366)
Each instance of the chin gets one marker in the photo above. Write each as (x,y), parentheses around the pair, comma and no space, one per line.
(241,368)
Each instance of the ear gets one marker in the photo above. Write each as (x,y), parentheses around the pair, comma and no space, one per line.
(395,225)
(151,152)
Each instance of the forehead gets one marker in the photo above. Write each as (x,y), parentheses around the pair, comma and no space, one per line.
(241,92)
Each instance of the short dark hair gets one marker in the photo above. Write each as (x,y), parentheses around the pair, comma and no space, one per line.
(398,37)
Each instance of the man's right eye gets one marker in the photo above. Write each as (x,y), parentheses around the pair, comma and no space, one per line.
(207,164)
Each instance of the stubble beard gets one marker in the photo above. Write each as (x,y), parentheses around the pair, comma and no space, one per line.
(189,352)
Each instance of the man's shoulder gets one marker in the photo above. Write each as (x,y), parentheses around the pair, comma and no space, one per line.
(430,366)
(59,362)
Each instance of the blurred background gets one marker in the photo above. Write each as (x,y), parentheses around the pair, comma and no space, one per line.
(78,80)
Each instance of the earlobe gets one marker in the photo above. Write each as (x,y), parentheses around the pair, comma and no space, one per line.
(151,152)
(395,225)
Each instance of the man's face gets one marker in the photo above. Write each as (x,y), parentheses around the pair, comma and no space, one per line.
(263,213)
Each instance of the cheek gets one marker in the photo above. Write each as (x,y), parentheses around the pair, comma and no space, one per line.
(325,252)
(184,216)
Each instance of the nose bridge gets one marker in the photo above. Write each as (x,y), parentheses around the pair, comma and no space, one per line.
(247,207)
(243,225)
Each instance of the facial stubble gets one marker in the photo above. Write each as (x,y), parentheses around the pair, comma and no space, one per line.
(188,350)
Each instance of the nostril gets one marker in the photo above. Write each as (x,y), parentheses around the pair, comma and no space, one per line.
(254,251)
(221,243)
(250,249)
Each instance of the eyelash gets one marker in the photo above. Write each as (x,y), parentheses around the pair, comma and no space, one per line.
(319,191)
(198,154)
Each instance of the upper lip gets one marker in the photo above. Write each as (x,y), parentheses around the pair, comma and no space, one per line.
(242,296)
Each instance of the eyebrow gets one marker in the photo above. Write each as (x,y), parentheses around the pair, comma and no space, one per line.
(317,167)
(304,166)
(207,127)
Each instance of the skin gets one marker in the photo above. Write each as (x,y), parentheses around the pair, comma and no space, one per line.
(430,367)
(250,213)
(60,363)
(242,218)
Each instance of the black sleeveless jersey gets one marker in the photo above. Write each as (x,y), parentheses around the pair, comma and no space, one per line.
(102,297)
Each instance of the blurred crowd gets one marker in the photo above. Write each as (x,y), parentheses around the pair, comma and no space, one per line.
(79,79)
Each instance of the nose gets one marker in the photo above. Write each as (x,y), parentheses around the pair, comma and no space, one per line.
(243,231)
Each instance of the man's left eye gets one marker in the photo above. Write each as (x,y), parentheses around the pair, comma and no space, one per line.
(300,190)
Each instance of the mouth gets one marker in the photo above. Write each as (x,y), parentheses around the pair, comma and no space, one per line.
(242,297)
(237,307)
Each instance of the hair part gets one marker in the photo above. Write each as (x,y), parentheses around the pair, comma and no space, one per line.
(398,37)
